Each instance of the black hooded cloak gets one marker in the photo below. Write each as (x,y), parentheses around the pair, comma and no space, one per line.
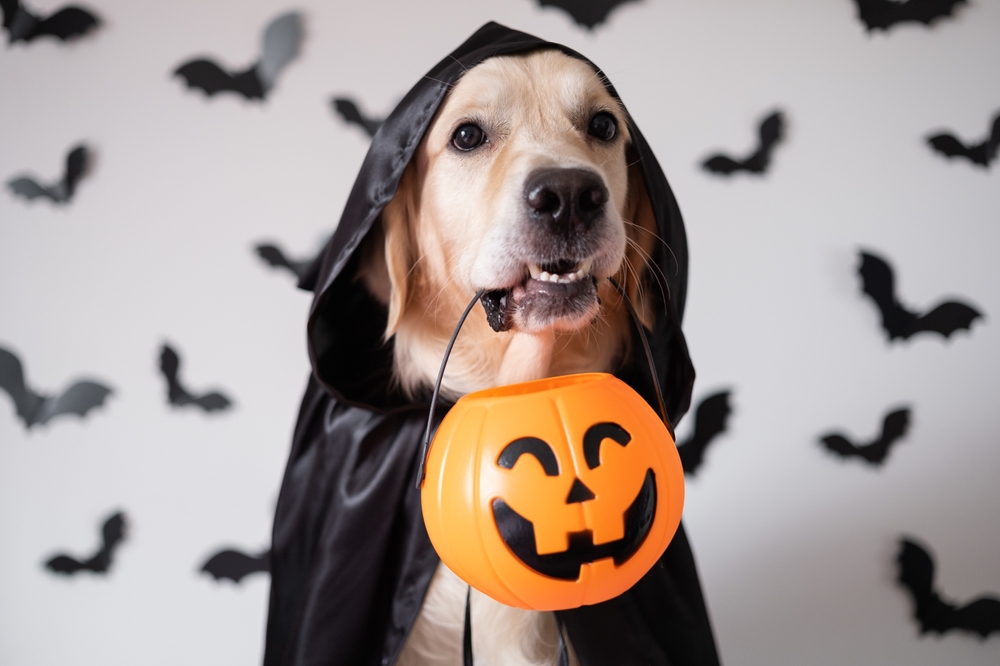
(351,560)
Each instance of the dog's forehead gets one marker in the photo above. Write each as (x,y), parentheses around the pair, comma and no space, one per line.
(538,81)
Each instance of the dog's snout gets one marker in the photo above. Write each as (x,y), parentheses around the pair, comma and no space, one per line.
(565,200)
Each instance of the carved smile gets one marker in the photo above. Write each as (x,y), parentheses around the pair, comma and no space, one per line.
(518,534)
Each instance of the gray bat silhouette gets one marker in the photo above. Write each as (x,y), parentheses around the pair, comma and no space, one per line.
(35,408)
(177,394)
(76,164)
(281,43)
(236,565)
(112,533)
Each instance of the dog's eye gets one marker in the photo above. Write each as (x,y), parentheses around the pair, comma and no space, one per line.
(468,137)
(603,126)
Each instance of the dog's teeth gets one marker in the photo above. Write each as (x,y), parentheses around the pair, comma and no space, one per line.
(534,271)
(545,276)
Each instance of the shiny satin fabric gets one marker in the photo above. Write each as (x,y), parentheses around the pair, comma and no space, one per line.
(351,561)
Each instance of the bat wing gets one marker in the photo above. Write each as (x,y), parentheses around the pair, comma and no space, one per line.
(211,402)
(10,9)
(235,565)
(273,256)
(281,44)
(916,575)
(349,111)
(26,187)
(770,133)
(76,165)
(840,445)
(205,75)
(27,403)
(883,14)
(947,318)
(992,144)
(170,363)
(981,616)
(68,23)
(78,399)
(879,283)
(894,426)
(64,564)
(722,164)
(949,146)
(588,13)
(711,418)
(113,530)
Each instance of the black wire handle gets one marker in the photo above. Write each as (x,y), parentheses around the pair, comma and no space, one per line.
(451,343)
(437,388)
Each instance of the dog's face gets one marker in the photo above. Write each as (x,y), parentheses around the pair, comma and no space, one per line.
(523,183)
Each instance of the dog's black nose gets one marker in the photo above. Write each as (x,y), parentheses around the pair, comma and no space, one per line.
(565,201)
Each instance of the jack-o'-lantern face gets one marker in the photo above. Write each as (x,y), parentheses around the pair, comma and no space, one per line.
(552,494)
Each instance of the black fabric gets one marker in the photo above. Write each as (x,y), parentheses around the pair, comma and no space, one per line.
(351,561)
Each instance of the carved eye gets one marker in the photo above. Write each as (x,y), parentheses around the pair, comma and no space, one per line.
(533,447)
(603,126)
(596,434)
(468,137)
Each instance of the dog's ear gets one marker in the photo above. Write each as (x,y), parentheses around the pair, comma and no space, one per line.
(397,218)
(641,272)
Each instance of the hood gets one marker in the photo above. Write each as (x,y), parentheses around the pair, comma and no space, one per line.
(346,324)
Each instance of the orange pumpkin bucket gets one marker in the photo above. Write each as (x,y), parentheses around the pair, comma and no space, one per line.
(552,494)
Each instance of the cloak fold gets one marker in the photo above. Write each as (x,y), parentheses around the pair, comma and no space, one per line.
(350,559)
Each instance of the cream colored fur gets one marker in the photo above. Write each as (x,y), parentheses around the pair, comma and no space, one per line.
(454,227)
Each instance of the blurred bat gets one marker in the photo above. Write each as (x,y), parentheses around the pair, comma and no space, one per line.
(894,428)
(66,23)
(916,574)
(898,322)
(710,420)
(883,14)
(275,258)
(981,153)
(282,39)
(349,111)
(236,565)
(112,533)
(179,396)
(76,165)
(588,13)
(770,133)
(35,408)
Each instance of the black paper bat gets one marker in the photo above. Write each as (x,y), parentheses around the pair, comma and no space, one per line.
(236,565)
(981,153)
(710,420)
(771,131)
(916,574)
(112,533)
(883,14)
(36,408)
(179,396)
(898,322)
(280,45)
(275,258)
(588,13)
(66,23)
(76,165)
(351,114)
(894,428)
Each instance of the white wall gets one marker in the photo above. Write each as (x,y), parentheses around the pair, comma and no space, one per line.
(795,547)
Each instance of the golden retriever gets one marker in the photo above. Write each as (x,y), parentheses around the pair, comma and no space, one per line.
(520,186)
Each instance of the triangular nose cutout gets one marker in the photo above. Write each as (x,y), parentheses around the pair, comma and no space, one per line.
(579,493)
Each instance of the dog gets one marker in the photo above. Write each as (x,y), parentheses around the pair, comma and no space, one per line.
(521,187)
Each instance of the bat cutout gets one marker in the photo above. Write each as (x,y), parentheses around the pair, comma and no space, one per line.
(37,408)
(588,13)
(710,420)
(894,428)
(771,132)
(352,115)
(65,24)
(280,45)
(112,533)
(898,322)
(916,574)
(77,162)
(883,14)
(981,153)
(235,565)
(274,257)
(177,395)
